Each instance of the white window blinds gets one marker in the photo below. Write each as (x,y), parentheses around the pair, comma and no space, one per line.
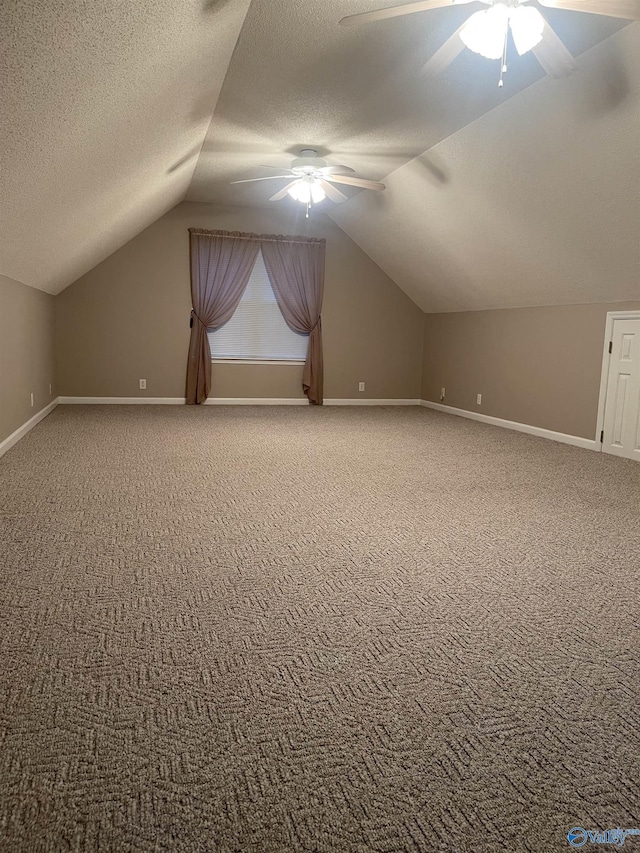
(257,330)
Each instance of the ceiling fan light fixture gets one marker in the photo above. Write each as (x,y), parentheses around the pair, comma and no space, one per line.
(300,191)
(485,32)
(307,191)
(527,28)
(317,193)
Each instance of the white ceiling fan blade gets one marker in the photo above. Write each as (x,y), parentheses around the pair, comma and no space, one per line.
(336,170)
(444,56)
(629,9)
(397,11)
(356,182)
(251,180)
(333,193)
(552,54)
(282,193)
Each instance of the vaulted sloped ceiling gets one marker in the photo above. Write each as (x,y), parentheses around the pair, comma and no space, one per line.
(102,106)
(535,203)
(526,195)
(299,79)
(522,196)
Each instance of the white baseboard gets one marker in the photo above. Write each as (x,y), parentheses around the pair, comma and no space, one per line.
(180,401)
(230,401)
(121,401)
(15,437)
(256,401)
(358,401)
(575,440)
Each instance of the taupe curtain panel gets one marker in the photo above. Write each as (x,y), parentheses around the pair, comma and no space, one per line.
(296,273)
(221,265)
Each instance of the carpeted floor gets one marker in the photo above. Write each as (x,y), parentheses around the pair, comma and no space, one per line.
(293,629)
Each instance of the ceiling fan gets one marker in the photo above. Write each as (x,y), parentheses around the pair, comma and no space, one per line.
(487,32)
(313,180)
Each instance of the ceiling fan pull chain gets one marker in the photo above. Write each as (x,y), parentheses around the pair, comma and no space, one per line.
(503,67)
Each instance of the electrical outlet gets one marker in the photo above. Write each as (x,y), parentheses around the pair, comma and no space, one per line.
(32,399)
(442,390)
(50,391)
(361,386)
(143,384)
(479,399)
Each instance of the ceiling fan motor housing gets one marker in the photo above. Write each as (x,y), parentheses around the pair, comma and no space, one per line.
(308,161)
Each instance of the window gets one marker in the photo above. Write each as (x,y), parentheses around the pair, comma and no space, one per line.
(257,331)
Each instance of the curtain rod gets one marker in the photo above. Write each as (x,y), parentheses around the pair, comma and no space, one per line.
(262,238)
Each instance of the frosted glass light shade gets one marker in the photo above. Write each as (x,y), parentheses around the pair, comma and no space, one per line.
(306,192)
(527,26)
(317,193)
(485,32)
(300,192)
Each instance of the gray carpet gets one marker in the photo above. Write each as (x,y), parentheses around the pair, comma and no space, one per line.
(292,629)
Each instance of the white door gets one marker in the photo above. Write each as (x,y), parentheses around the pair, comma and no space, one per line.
(621,435)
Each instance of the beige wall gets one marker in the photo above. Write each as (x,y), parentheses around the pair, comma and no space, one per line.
(538,366)
(26,353)
(128,318)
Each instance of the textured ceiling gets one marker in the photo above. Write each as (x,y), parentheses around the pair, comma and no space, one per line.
(297,79)
(101,103)
(108,103)
(535,203)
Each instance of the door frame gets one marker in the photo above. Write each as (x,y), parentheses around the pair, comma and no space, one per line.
(612,316)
